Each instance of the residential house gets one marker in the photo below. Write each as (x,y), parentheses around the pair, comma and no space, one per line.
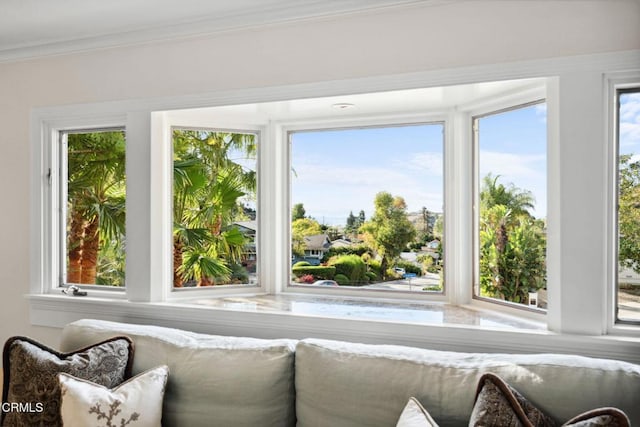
(315,247)
(248,229)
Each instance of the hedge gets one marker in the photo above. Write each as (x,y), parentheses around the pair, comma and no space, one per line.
(351,266)
(319,271)
(342,279)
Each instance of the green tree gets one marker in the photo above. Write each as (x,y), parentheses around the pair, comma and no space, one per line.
(209,184)
(361,218)
(351,226)
(512,243)
(96,208)
(298,212)
(389,229)
(629,213)
(517,200)
(354,222)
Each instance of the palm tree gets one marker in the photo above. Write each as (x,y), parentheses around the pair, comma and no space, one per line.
(512,242)
(95,202)
(518,201)
(208,186)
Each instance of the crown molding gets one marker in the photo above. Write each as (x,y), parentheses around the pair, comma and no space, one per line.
(289,11)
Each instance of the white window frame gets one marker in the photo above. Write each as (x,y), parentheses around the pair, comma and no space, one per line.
(476,196)
(167,121)
(188,292)
(58,172)
(46,159)
(375,121)
(613,82)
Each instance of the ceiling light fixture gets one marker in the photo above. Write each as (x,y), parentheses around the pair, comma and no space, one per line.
(342,106)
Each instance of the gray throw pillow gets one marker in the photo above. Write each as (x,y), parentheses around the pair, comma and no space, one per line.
(31,390)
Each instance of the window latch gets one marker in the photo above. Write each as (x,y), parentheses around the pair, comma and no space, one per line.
(74,291)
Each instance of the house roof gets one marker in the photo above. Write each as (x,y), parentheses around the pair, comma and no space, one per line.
(247,225)
(341,243)
(317,242)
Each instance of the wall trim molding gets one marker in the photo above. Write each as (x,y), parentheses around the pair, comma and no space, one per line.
(538,68)
(209,25)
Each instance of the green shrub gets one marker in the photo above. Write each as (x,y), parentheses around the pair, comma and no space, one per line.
(346,250)
(319,272)
(239,273)
(351,266)
(342,280)
(371,276)
(301,264)
(375,267)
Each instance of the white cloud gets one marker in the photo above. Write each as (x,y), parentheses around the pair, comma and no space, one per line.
(541,111)
(630,108)
(630,123)
(331,191)
(629,134)
(514,167)
(430,163)
(527,172)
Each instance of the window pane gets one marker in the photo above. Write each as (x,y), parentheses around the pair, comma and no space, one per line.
(95,207)
(366,208)
(214,208)
(512,205)
(629,206)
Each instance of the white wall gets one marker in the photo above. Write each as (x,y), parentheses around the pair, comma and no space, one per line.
(414,39)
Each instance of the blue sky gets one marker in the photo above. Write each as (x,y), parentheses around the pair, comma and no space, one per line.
(513,144)
(630,125)
(340,171)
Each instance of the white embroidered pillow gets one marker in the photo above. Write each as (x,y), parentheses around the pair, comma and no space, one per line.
(414,415)
(136,402)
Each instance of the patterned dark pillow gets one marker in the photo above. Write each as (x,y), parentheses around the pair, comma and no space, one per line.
(612,417)
(499,404)
(31,381)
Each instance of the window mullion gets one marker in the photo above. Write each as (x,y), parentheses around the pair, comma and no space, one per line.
(458,204)
(141,258)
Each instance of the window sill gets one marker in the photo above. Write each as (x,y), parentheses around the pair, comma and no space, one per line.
(429,325)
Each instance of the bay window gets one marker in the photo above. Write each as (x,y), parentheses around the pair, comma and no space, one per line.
(288,197)
(415,197)
(225,262)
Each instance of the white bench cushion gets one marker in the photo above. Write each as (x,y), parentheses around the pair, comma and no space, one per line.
(343,385)
(213,380)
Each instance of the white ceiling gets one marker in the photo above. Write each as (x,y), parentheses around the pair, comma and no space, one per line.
(30,28)
(401,102)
